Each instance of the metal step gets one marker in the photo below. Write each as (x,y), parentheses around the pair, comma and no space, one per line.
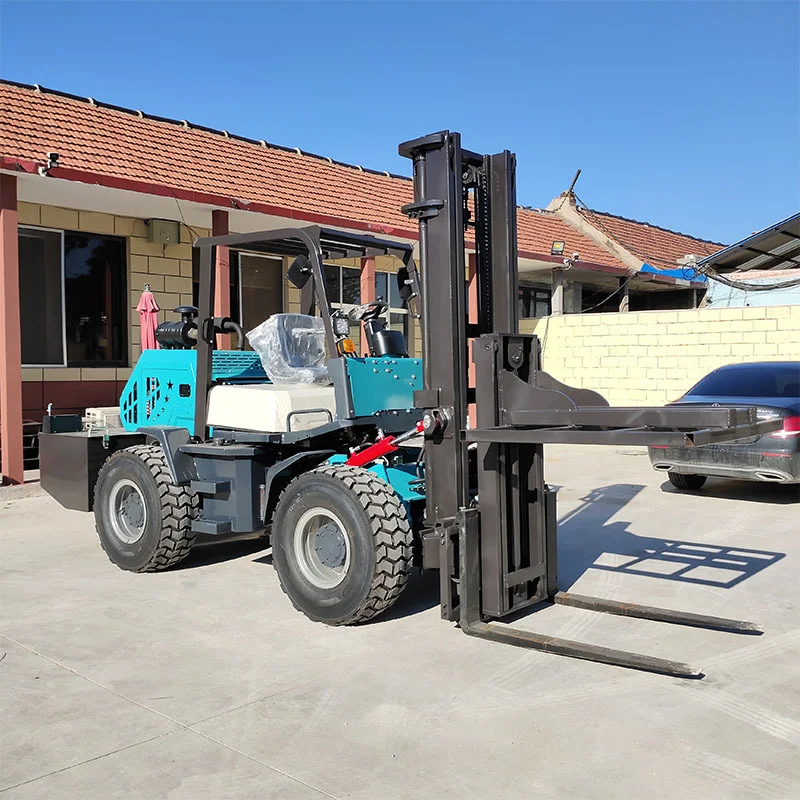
(210,487)
(213,527)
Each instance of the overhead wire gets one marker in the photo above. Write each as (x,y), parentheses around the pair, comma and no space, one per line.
(606,299)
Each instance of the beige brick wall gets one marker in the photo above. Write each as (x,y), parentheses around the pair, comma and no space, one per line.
(652,357)
(167,268)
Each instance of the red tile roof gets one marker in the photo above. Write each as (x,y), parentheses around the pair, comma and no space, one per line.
(656,246)
(117,143)
(539,229)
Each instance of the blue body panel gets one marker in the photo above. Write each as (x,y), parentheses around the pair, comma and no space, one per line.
(152,395)
(383,384)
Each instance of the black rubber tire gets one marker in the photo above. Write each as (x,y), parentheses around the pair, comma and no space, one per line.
(379,536)
(687,482)
(168,535)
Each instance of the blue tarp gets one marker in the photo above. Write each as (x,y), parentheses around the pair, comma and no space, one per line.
(685,273)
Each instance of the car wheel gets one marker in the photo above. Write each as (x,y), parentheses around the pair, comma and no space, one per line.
(688,482)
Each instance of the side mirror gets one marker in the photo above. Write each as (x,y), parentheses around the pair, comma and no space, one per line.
(403,285)
(299,271)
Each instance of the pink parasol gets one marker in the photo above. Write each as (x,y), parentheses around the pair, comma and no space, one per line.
(148,310)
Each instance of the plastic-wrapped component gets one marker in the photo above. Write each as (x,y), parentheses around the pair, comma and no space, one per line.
(291,348)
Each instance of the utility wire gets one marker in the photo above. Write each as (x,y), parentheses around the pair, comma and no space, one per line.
(713,275)
(606,299)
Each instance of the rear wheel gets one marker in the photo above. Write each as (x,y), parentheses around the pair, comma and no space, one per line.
(143,519)
(341,544)
(688,482)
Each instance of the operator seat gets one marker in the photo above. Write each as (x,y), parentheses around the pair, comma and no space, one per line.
(292,348)
(300,397)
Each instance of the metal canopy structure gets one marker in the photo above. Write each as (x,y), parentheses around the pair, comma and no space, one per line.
(775,248)
(314,242)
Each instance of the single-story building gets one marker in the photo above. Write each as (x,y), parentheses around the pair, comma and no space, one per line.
(98,201)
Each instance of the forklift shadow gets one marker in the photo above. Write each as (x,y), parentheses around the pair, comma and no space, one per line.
(589,541)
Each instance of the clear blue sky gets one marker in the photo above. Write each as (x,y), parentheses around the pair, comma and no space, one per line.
(686,115)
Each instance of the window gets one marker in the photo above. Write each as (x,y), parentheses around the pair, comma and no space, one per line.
(343,288)
(73,299)
(260,280)
(750,380)
(534,301)
(386,289)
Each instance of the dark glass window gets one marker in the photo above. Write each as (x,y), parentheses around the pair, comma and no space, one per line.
(332,283)
(534,302)
(750,380)
(382,286)
(85,323)
(41,297)
(395,301)
(96,300)
(351,286)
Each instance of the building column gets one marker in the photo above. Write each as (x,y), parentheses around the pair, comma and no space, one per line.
(368,294)
(12,465)
(557,301)
(222,267)
(625,295)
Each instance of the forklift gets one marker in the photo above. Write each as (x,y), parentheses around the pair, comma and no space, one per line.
(362,468)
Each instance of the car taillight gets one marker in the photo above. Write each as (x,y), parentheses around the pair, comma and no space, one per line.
(791,427)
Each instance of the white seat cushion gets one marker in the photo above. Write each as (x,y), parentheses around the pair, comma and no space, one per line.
(265,407)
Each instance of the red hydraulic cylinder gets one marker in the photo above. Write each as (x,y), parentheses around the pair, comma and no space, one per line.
(384,446)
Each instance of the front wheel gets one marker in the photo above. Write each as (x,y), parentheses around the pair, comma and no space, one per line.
(687,482)
(143,519)
(341,544)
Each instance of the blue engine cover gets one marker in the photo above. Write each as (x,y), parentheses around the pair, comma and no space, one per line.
(381,384)
(161,389)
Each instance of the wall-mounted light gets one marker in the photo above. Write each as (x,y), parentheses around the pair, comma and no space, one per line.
(557,249)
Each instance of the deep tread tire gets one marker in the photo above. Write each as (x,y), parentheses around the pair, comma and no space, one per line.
(379,535)
(686,482)
(168,535)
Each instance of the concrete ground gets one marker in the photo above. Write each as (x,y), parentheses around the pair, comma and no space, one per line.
(203,682)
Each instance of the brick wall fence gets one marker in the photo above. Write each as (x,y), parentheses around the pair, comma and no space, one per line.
(652,357)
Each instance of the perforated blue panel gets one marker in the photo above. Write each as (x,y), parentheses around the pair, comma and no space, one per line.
(161,389)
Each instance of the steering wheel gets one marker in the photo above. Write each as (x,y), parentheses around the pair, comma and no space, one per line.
(367,311)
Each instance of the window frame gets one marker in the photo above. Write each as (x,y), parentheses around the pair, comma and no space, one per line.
(393,309)
(63,364)
(267,256)
(120,363)
(533,291)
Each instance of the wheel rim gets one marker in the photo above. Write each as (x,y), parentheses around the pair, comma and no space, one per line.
(127,511)
(322,548)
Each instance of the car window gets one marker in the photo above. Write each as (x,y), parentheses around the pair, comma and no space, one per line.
(751,380)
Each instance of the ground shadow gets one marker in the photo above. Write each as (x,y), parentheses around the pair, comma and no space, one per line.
(421,594)
(748,491)
(216,549)
(589,541)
